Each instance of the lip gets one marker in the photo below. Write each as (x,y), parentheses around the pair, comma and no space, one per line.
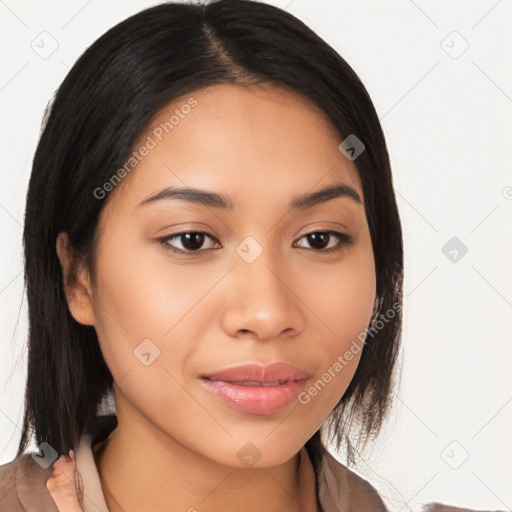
(274,372)
(257,389)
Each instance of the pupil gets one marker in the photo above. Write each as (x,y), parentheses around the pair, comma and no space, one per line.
(315,238)
(192,241)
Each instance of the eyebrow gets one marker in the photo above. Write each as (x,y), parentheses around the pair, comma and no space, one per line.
(215,200)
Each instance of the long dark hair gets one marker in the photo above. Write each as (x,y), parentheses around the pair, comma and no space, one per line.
(103,106)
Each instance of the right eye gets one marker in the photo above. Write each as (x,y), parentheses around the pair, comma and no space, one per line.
(191,242)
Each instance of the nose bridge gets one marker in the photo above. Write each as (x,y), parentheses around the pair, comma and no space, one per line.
(259,270)
(262,301)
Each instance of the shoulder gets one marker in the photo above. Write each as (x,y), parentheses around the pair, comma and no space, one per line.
(342,489)
(440,507)
(23,486)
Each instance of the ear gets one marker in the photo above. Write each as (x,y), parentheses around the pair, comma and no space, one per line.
(77,283)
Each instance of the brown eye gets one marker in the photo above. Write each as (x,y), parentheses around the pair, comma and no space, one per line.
(318,240)
(326,241)
(192,241)
(187,242)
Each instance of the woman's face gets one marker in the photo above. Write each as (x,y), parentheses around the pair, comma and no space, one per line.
(254,289)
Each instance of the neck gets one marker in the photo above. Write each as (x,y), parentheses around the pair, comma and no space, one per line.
(157,473)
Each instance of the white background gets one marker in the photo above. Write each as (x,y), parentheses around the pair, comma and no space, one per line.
(448,126)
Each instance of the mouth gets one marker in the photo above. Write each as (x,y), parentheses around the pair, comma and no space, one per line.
(256,389)
(255,383)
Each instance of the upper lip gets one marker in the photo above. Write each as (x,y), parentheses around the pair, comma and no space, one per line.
(275,372)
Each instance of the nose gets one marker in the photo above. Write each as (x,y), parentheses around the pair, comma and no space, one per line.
(263,302)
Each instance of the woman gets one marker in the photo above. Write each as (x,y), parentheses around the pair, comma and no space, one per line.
(212,238)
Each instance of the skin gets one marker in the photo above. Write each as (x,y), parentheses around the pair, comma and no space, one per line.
(61,484)
(176,445)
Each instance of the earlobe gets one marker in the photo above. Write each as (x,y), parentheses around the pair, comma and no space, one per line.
(76,283)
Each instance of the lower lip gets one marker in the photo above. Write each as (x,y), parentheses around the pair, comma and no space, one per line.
(256,399)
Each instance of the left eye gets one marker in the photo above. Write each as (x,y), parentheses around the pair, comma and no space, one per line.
(321,240)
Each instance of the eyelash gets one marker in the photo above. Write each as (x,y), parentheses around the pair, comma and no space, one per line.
(343,241)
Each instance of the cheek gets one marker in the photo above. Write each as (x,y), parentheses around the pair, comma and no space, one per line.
(143,297)
(342,295)
(343,305)
(148,317)
(150,320)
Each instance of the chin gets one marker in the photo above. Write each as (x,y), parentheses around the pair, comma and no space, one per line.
(258,454)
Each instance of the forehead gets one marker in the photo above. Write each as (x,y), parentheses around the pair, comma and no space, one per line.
(251,143)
